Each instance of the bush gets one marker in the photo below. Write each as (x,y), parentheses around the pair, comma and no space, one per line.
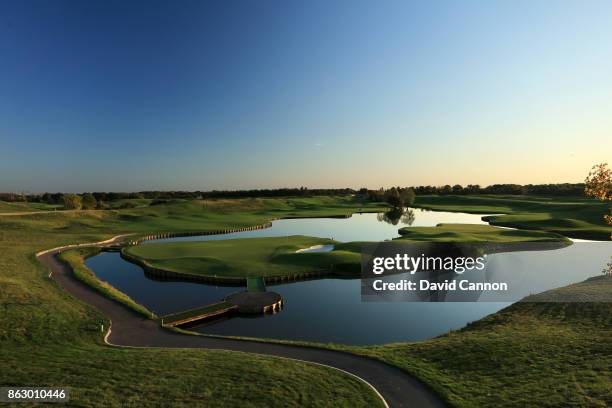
(72,201)
(89,201)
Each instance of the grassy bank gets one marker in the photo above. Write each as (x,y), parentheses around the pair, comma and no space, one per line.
(76,259)
(112,377)
(475,233)
(572,217)
(6,207)
(529,354)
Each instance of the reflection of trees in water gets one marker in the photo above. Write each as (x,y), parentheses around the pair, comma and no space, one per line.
(394,216)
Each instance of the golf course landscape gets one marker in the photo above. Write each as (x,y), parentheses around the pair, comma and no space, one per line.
(523,350)
(306,204)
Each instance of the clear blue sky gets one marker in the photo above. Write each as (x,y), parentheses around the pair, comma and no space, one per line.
(127,95)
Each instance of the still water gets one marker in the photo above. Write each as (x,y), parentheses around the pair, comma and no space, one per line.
(331,310)
(359,227)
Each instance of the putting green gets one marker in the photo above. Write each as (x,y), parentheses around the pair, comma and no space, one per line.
(249,257)
(278,256)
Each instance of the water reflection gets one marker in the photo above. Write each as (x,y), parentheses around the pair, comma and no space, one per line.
(358,227)
(394,216)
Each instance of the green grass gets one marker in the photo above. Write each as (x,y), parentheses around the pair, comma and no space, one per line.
(248,257)
(277,256)
(572,217)
(527,355)
(76,257)
(48,338)
(6,207)
(113,377)
(474,233)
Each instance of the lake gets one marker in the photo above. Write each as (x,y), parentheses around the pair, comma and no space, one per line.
(331,310)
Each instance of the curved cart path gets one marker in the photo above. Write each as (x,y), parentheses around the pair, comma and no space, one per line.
(130,329)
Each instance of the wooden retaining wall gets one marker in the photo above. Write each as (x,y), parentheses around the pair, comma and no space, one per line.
(163,235)
(166,275)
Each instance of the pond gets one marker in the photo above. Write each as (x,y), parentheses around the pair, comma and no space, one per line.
(331,310)
(359,227)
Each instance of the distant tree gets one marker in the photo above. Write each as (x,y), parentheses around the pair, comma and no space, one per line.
(472,189)
(457,189)
(598,184)
(72,201)
(376,195)
(89,201)
(57,198)
(100,196)
(393,198)
(407,195)
(446,189)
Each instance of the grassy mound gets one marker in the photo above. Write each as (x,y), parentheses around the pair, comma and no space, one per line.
(574,217)
(529,354)
(475,233)
(249,257)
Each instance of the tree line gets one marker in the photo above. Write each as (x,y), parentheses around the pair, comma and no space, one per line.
(392,195)
(564,189)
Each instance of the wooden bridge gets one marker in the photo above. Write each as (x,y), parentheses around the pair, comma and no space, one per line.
(198,314)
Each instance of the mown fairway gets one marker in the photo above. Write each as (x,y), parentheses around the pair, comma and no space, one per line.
(474,233)
(572,217)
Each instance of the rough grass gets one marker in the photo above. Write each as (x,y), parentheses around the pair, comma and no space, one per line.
(530,354)
(114,377)
(6,207)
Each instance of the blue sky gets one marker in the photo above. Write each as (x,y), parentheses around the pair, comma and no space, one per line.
(117,95)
